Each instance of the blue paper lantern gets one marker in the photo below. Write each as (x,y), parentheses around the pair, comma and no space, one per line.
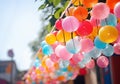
(73,45)
(108,51)
(47,50)
(110,20)
(99,44)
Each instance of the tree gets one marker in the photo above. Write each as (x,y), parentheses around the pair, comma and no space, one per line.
(51,10)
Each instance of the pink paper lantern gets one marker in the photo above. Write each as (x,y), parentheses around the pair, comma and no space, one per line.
(116,47)
(77,57)
(86,44)
(72,62)
(102,61)
(42,68)
(70,24)
(117,10)
(118,27)
(63,53)
(33,75)
(27,81)
(91,64)
(57,50)
(49,63)
(54,58)
(55,45)
(94,21)
(100,11)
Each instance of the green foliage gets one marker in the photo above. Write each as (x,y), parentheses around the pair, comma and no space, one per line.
(51,10)
(42,6)
(58,12)
(56,2)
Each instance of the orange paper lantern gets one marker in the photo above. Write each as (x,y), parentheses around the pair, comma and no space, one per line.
(111,3)
(89,3)
(80,13)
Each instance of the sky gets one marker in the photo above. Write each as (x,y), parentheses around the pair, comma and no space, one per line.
(19,25)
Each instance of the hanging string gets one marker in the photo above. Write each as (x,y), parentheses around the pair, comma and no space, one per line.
(71,32)
(63,30)
(62,15)
(97,25)
(64,37)
(61,18)
(106,21)
(73,40)
(68,11)
(79,3)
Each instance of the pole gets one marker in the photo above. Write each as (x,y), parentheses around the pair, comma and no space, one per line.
(11,54)
(11,70)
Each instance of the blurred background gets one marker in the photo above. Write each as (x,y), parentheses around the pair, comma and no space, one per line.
(19,25)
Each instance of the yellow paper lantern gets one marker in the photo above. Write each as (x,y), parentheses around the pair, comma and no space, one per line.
(64,36)
(39,54)
(43,61)
(108,34)
(50,38)
(77,2)
(37,71)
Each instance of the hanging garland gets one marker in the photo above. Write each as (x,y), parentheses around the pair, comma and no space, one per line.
(87,32)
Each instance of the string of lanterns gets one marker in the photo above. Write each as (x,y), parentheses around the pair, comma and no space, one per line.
(88,35)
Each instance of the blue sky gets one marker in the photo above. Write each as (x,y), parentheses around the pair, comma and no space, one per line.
(19,25)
